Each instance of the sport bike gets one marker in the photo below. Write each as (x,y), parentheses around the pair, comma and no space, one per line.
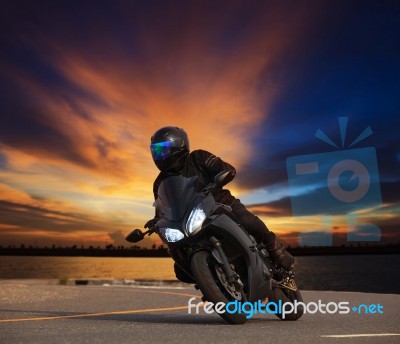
(215,252)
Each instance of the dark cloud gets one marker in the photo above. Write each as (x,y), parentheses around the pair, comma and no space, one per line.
(390,191)
(41,225)
(24,130)
(36,217)
(283,206)
(23,223)
(347,67)
(3,161)
(270,166)
(389,235)
(329,59)
(280,208)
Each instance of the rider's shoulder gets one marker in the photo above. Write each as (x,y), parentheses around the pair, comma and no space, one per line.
(200,153)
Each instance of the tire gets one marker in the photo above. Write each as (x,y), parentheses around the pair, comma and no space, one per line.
(203,270)
(182,276)
(286,295)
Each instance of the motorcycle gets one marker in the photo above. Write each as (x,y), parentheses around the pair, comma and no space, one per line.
(215,251)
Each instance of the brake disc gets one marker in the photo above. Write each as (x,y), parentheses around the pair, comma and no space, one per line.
(230,288)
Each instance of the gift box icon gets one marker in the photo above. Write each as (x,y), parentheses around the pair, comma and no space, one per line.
(332,183)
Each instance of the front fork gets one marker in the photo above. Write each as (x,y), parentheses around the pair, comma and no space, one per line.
(231,275)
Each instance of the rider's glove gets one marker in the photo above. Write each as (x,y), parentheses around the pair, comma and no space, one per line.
(150,224)
(209,188)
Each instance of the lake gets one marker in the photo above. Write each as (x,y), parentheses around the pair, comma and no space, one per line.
(366,273)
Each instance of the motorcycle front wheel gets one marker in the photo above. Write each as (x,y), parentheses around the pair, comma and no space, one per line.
(204,270)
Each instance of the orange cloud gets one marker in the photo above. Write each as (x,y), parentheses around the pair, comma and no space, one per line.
(91,153)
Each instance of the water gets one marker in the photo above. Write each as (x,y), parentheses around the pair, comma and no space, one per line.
(367,273)
(14,267)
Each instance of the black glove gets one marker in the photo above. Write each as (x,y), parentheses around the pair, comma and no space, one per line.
(151,223)
(209,188)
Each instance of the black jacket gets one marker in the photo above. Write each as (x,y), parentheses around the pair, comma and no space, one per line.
(205,166)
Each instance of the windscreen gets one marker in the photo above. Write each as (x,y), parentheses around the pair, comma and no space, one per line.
(175,194)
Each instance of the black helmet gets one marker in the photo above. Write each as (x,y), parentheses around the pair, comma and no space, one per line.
(168,146)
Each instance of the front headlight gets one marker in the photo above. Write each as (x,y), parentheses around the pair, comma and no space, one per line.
(196,219)
(170,234)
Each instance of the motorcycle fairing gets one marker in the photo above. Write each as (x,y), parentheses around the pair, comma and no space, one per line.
(175,195)
(256,268)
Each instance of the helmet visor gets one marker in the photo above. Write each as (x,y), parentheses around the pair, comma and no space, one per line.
(163,150)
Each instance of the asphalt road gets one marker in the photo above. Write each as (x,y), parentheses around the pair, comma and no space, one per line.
(125,314)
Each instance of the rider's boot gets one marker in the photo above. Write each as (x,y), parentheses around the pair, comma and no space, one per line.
(279,253)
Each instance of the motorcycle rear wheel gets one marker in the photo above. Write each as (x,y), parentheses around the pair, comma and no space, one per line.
(286,295)
(204,272)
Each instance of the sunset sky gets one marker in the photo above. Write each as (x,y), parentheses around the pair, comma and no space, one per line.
(85,84)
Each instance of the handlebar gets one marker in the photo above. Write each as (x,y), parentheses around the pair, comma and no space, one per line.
(209,188)
(151,230)
(137,235)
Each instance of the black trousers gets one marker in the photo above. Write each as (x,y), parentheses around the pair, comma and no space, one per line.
(252,223)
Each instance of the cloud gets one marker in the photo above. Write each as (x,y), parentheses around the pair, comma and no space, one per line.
(93,93)
(41,220)
(279,208)
(40,225)
(84,89)
(98,99)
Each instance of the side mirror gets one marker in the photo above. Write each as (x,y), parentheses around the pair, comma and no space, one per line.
(221,177)
(135,236)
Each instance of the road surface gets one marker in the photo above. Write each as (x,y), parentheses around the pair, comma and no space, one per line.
(39,313)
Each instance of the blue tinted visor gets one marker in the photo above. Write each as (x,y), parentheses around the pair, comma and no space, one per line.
(163,150)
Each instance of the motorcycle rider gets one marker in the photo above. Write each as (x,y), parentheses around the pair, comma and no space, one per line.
(171,154)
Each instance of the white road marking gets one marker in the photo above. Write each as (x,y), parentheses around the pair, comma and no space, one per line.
(361,335)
